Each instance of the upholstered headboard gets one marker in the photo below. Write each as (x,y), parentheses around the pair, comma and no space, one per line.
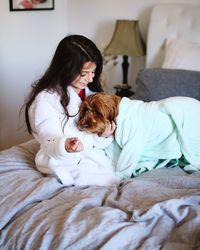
(180,21)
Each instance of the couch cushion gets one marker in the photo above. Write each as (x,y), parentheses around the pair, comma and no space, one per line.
(156,84)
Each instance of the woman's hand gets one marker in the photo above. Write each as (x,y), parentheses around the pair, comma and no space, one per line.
(109,129)
(73,144)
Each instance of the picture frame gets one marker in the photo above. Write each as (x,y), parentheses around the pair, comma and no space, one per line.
(31,5)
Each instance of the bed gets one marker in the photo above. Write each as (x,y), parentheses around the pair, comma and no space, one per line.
(159,209)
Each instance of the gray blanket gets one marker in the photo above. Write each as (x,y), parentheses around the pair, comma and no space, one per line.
(157,210)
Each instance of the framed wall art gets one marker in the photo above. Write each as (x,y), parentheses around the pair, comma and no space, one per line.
(28,5)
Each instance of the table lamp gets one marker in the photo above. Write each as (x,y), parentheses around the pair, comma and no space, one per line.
(126,41)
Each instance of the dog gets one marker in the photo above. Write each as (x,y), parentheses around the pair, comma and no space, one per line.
(148,135)
(97,111)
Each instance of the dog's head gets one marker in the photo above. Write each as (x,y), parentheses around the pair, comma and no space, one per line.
(97,111)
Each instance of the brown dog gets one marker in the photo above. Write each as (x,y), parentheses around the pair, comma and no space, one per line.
(97,111)
(148,134)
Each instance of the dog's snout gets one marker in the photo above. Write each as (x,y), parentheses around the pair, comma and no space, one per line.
(82,124)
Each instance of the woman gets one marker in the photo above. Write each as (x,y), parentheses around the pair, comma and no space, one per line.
(51,110)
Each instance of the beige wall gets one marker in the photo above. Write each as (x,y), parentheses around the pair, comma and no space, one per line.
(28,40)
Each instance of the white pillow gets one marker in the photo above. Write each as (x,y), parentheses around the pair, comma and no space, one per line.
(181,55)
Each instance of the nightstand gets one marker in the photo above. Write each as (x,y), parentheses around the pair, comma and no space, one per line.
(123,90)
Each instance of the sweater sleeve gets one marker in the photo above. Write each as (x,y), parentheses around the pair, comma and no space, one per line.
(102,142)
(47,129)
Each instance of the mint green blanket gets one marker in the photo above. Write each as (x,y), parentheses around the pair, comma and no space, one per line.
(156,134)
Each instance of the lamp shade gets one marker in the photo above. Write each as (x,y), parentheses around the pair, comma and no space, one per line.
(126,40)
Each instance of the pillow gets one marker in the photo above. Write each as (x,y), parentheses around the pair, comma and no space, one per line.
(181,55)
(155,84)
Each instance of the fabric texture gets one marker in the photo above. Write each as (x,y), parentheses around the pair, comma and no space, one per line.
(170,20)
(82,94)
(151,134)
(180,54)
(158,209)
(157,84)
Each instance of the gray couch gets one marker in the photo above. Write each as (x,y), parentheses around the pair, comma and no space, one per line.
(156,84)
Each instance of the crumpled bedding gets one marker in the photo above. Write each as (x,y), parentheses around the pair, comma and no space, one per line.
(157,210)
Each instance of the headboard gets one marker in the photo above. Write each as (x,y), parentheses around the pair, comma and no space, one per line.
(180,21)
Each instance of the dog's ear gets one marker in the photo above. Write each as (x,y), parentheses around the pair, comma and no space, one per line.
(114,107)
(106,104)
(110,104)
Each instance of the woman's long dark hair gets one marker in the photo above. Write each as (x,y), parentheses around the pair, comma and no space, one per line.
(71,54)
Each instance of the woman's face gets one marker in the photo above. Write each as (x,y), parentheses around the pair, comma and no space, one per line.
(86,76)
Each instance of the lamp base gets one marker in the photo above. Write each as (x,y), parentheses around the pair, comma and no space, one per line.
(123,90)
